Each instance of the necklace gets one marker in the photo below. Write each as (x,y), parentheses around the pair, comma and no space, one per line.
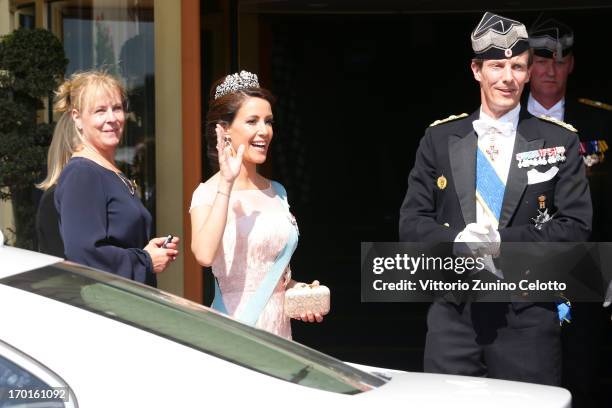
(130,184)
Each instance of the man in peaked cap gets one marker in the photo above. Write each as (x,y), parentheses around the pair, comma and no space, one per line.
(553,45)
(553,62)
(464,165)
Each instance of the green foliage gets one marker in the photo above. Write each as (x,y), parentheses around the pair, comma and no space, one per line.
(32,62)
(34,59)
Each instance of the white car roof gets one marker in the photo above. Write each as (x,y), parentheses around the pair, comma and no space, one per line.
(140,368)
(110,363)
(15,260)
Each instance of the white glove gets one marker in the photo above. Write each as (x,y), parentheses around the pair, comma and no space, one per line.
(490,266)
(481,238)
(493,237)
(608,298)
(473,235)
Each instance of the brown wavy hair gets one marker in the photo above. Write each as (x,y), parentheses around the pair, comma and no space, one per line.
(223,111)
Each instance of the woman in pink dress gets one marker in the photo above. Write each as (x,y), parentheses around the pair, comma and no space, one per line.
(240,220)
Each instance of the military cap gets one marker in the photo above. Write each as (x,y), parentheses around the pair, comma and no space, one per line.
(551,38)
(498,37)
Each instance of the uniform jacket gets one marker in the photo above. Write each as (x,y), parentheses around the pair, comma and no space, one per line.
(595,124)
(433,214)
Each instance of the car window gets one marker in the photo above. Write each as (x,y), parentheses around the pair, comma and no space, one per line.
(21,385)
(193,325)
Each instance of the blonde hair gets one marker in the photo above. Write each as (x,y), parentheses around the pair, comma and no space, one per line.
(77,93)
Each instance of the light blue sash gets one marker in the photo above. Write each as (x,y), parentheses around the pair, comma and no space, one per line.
(217,303)
(489,187)
(260,298)
(490,193)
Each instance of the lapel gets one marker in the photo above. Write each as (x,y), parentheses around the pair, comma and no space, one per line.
(569,111)
(462,156)
(526,140)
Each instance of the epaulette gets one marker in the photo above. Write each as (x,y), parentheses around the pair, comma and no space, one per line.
(595,104)
(451,117)
(558,122)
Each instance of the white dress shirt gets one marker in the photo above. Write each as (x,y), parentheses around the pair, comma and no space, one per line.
(504,144)
(536,109)
(499,133)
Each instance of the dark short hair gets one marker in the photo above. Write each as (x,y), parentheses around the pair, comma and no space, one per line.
(223,111)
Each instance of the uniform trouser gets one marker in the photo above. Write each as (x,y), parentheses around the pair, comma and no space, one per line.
(582,340)
(496,340)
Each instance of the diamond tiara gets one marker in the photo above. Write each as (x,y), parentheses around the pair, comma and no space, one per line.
(236,82)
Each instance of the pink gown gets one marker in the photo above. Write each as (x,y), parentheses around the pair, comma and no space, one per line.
(257,229)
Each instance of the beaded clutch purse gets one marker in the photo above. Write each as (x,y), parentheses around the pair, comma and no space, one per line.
(302,298)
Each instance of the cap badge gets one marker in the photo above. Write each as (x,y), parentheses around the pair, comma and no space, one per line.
(441,182)
(508,52)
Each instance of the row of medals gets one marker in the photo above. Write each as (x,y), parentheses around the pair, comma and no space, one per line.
(539,157)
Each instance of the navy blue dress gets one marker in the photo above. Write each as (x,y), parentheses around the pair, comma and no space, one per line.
(101,223)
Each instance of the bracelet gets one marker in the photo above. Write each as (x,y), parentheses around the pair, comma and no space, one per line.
(222,193)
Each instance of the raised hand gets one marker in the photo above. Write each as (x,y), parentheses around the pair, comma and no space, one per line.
(229,160)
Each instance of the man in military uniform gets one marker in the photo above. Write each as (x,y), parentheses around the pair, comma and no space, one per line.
(553,43)
(464,166)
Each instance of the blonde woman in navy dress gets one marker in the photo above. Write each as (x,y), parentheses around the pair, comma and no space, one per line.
(102,221)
